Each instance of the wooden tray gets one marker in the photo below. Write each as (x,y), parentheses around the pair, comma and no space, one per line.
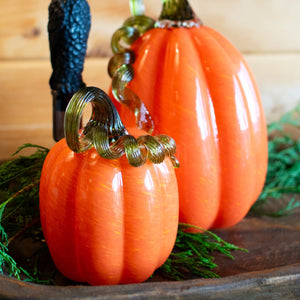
(271,270)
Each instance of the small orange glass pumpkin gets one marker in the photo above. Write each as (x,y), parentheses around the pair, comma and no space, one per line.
(106,222)
(198,88)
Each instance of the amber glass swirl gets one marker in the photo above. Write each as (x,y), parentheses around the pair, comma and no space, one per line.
(106,132)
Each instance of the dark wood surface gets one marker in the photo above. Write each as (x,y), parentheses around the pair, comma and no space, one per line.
(271,270)
(272,243)
(281,283)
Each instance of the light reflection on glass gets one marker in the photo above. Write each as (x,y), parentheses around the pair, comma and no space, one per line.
(177,56)
(213,117)
(163,169)
(70,156)
(239,103)
(250,93)
(144,57)
(149,184)
(94,158)
(149,181)
(117,182)
(201,114)
(117,187)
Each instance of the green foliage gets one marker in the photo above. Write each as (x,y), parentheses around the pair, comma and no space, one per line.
(193,254)
(291,118)
(22,170)
(9,266)
(7,261)
(283,176)
(19,180)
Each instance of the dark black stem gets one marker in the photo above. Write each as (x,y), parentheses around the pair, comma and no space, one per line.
(68,27)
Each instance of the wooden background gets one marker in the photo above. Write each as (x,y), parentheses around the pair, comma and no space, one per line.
(267,32)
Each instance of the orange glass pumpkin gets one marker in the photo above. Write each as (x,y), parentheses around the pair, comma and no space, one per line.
(106,222)
(199,89)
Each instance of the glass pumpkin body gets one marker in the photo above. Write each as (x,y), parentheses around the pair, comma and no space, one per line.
(199,90)
(104,221)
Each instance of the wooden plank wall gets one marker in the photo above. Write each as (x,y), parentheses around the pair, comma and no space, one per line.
(267,32)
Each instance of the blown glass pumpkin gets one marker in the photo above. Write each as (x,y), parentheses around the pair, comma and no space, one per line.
(104,221)
(198,88)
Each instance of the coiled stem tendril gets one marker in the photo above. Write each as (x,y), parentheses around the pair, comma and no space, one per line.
(106,132)
(121,71)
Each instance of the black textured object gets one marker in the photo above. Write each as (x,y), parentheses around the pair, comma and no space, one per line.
(69,25)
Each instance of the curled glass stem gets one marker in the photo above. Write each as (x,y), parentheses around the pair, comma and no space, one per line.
(140,23)
(121,71)
(123,38)
(106,132)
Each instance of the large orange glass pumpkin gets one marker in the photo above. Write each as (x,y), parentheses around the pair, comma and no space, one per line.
(104,221)
(199,89)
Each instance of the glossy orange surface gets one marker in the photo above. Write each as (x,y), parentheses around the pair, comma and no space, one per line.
(104,221)
(200,91)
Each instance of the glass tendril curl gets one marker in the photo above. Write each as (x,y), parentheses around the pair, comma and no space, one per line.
(106,132)
(121,71)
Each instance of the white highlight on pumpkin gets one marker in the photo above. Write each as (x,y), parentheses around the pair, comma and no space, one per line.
(149,181)
(250,94)
(117,182)
(240,108)
(201,114)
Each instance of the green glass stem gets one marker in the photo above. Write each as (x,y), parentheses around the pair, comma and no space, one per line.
(121,71)
(106,132)
(137,8)
(176,10)
(177,13)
